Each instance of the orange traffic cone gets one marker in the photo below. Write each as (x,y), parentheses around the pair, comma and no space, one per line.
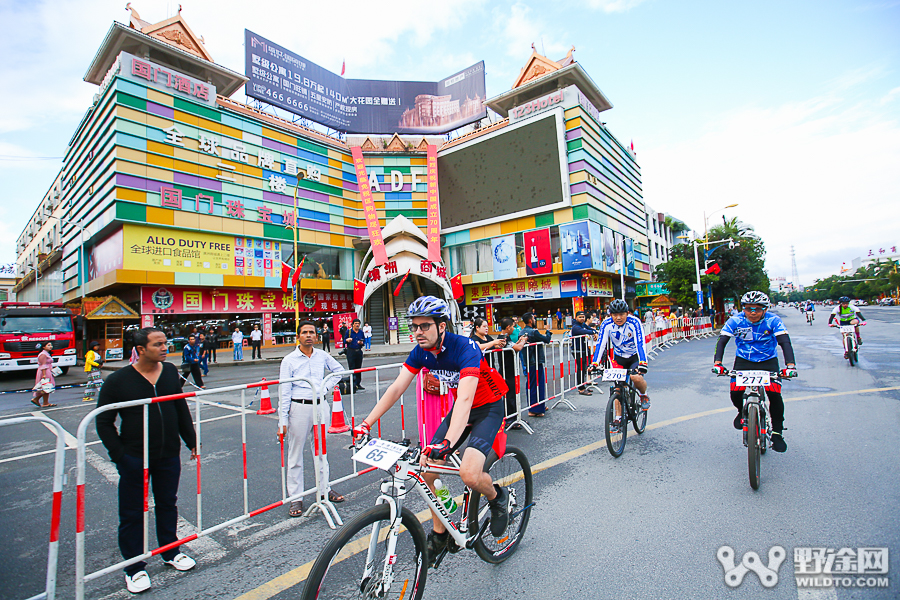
(265,403)
(338,422)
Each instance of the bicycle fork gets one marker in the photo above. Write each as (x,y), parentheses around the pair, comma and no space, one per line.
(395,502)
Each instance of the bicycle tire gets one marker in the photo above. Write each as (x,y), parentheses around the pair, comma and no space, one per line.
(753,445)
(638,416)
(616,445)
(851,352)
(505,473)
(341,563)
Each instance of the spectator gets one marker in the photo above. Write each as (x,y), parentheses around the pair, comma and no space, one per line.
(190,362)
(517,330)
(354,341)
(508,364)
(568,319)
(212,344)
(326,338)
(237,340)
(44,381)
(256,343)
(343,330)
(533,363)
(559,319)
(204,354)
(481,337)
(367,332)
(92,362)
(151,376)
(296,410)
(582,351)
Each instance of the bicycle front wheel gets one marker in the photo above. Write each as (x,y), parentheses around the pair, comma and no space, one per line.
(616,435)
(352,564)
(753,445)
(513,472)
(638,415)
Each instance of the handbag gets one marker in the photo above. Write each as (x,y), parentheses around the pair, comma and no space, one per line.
(57,371)
(46,386)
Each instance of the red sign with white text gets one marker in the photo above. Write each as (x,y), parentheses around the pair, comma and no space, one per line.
(184,301)
(368,203)
(538,258)
(433,231)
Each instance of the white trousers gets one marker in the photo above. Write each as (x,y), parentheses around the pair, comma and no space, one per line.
(300,426)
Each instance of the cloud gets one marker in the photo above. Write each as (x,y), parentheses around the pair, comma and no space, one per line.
(519,28)
(819,175)
(614,6)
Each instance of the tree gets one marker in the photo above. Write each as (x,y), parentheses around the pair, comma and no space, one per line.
(743,266)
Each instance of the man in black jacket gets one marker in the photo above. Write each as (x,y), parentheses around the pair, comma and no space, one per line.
(582,351)
(149,377)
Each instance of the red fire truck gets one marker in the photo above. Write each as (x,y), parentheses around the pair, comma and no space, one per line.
(26,326)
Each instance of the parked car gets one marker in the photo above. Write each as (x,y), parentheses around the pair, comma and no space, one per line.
(887,302)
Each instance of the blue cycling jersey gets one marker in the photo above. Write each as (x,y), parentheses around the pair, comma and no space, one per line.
(755,341)
(627,340)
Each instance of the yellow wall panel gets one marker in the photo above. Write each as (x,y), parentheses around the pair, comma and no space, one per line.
(277,135)
(506,227)
(420,204)
(159,277)
(573,123)
(335,164)
(233,280)
(160,174)
(525,223)
(186,167)
(210,223)
(158,122)
(129,154)
(207,172)
(209,160)
(373,161)
(131,168)
(254,229)
(492,230)
(158,148)
(337,240)
(160,161)
(188,118)
(129,276)
(335,228)
(255,282)
(160,98)
(189,220)
(160,216)
(132,195)
(562,216)
(415,161)
(466,279)
(208,125)
(185,154)
(231,131)
(577,177)
(323,239)
(248,170)
(233,226)
(131,114)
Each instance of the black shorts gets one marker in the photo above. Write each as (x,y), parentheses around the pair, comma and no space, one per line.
(626,363)
(484,424)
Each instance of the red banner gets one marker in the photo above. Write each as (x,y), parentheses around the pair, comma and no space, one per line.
(433,231)
(337,320)
(368,203)
(267,327)
(538,258)
(185,301)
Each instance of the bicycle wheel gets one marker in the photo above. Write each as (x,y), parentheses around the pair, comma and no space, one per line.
(638,415)
(340,569)
(616,436)
(851,351)
(753,445)
(513,472)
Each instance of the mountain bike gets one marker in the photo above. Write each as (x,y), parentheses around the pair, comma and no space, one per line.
(623,398)
(757,432)
(848,341)
(382,552)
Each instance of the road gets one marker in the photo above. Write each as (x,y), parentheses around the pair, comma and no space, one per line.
(646,525)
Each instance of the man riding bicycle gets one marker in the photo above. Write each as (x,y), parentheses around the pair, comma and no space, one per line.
(477,412)
(627,336)
(810,311)
(847,314)
(757,337)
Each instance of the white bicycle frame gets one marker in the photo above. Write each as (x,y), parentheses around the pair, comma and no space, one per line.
(848,337)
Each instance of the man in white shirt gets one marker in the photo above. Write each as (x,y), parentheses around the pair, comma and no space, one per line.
(295,409)
(237,339)
(255,343)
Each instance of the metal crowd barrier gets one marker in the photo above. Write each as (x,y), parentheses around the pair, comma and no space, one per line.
(58,475)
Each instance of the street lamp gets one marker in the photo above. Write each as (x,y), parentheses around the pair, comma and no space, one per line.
(706,219)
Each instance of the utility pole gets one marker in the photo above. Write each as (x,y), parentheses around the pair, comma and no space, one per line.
(794,276)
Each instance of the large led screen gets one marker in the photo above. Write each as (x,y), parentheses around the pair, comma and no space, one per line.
(517,170)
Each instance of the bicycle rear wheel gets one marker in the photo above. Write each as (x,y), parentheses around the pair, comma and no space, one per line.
(753,445)
(616,436)
(340,569)
(513,472)
(638,415)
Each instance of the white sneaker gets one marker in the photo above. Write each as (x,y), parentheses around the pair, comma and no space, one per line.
(182,562)
(137,583)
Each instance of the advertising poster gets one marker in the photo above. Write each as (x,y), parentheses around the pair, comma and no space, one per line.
(187,300)
(575,245)
(569,286)
(279,77)
(336,322)
(609,250)
(629,256)
(106,256)
(596,246)
(538,258)
(503,251)
(267,327)
(577,305)
(533,288)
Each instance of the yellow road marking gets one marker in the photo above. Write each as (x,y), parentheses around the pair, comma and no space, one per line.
(298,575)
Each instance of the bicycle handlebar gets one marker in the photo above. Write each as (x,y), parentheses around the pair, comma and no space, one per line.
(772,374)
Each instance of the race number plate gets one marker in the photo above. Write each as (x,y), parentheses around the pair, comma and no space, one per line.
(751,378)
(848,329)
(614,375)
(380,453)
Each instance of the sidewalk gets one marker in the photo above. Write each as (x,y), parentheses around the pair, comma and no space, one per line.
(225,356)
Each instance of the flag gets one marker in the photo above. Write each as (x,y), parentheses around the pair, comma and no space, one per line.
(359,292)
(715,269)
(285,276)
(632,146)
(400,285)
(296,277)
(343,68)
(456,285)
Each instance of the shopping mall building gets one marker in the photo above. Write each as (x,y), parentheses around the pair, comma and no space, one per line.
(175,203)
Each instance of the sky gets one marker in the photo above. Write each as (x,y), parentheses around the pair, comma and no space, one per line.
(790,109)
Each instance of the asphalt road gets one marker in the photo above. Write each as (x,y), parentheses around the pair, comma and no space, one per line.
(646,525)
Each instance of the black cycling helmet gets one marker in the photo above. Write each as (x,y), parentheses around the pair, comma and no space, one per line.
(618,306)
(844,299)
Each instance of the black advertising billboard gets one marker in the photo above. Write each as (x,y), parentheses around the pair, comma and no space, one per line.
(286,80)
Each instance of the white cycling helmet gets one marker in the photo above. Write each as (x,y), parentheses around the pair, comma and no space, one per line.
(429,306)
(755,297)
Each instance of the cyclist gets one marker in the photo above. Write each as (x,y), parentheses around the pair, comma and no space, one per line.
(757,336)
(627,336)
(810,311)
(478,409)
(847,314)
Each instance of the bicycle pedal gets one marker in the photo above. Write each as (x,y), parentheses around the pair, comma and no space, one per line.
(452,546)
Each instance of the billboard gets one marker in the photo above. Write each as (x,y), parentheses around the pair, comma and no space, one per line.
(536,288)
(596,246)
(503,251)
(629,256)
(610,256)
(538,256)
(289,81)
(575,244)
(187,300)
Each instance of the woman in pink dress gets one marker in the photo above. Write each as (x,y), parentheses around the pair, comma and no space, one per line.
(44,371)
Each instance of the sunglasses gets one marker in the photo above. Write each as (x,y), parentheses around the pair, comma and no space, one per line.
(754,309)
(422,326)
